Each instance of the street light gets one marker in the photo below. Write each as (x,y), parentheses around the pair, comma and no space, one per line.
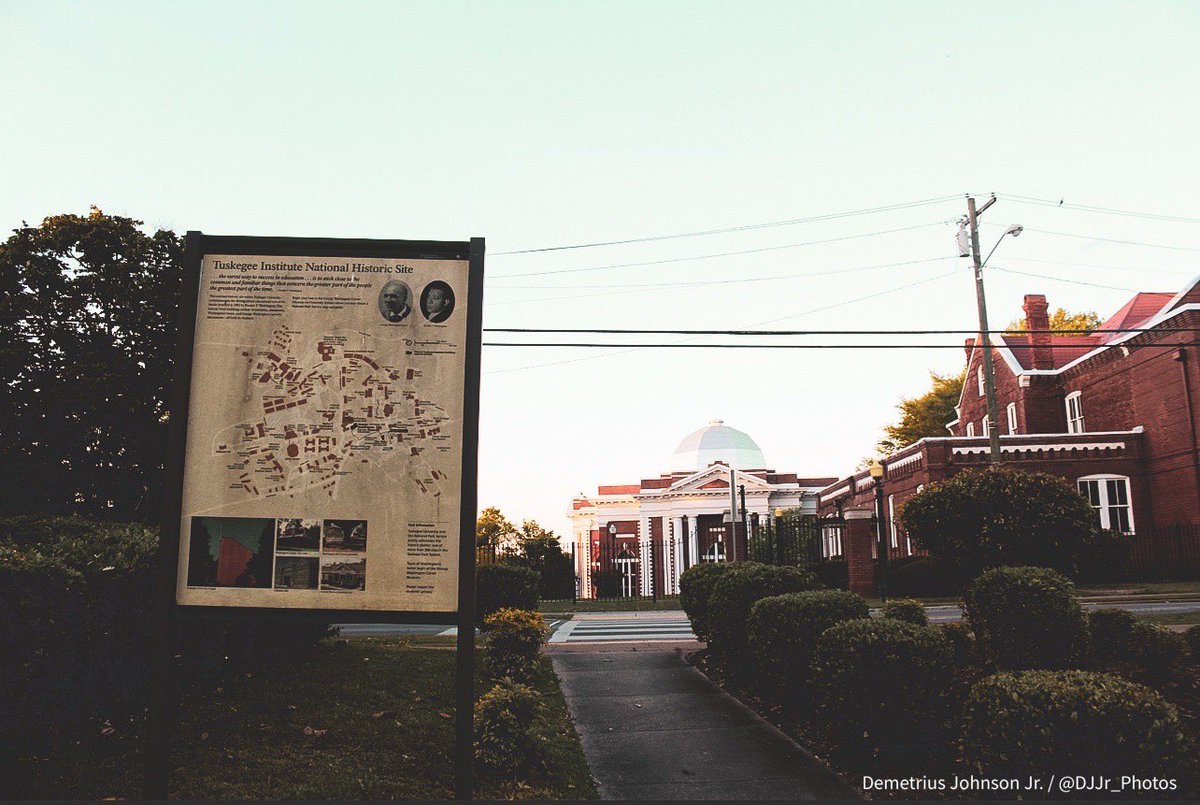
(1014,230)
(875,469)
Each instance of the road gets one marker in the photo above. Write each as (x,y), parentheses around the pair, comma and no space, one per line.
(673,626)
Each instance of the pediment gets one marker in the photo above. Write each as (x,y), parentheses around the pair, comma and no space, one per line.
(715,478)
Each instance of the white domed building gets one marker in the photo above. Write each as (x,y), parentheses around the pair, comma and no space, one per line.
(644,535)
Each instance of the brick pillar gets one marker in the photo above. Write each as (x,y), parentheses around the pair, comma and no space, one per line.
(858,542)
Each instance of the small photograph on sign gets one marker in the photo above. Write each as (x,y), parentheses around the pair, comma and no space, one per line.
(437,301)
(296,573)
(231,552)
(344,536)
(395,301)
(295,535)
(343,573)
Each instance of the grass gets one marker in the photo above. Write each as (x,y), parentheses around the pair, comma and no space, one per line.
(612,605)
(1144,587)
(365,718)
(1173,618)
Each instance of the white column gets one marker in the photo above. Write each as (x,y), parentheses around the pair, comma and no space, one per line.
(645,567)
(693,534)
(677,546)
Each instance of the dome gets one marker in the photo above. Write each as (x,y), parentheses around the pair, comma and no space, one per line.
(716,441)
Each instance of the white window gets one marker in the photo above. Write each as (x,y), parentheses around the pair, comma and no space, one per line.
(892,520)
(983,426)
(979,377)
(1012,418)
(833,541)
(970,429)
(1109,496)
(1075,412)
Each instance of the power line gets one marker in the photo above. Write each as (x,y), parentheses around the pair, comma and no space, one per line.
(623,331)
(1063,279)
(668,260)
(627,288)
(677,345)
(1109,240)
(754,324)
(1063,204)
(1139,269)
(742,228)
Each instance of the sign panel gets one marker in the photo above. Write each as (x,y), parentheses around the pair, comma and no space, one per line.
(326,441)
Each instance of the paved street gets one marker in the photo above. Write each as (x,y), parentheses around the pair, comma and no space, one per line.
(655,728)
(949,613)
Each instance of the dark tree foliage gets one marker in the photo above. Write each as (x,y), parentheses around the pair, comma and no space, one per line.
(1000,516)
(87,333)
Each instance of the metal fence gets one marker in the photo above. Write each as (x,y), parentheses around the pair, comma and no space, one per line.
(1165,553)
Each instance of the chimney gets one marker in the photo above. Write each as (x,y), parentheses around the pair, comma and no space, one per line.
(1037,317)
(969,345)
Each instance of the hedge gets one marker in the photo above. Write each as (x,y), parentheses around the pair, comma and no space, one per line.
(1192,638)
(504,586)
(966,652)
(512,643)
(1025,618)
(1044,723)
(884,692)
(908,610)
(1155,649)
(695,590)
(1110,635)
(734,595)
(783,629)
(77,594)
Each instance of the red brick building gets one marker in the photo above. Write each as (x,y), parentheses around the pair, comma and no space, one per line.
(1114,412)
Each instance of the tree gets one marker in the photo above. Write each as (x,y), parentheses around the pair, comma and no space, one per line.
(494,530)
(1060,319)
(87,335)
(923,416)
(999,516)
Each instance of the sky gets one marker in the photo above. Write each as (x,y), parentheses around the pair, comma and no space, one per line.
(540,125)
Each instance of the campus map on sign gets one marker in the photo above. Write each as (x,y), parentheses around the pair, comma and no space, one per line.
(324,439)
(330,408)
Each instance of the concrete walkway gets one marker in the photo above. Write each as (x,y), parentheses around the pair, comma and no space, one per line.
(654,728)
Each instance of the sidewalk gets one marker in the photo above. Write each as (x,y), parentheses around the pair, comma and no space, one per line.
(653,728)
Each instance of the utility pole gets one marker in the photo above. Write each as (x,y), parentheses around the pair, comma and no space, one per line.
(989,374)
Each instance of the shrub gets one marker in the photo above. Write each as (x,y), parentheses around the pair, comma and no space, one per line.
(504,586)
(963,640)
(77,594)
(884,690)
(999,516)
(505,740)
(1155,649)
(908,610)
(1192,638)
(1044,723)
(1110,635)
(1024,618)
(695,589)
(783,629)
(833,574)
(921,576)
(512,643)
(735,593)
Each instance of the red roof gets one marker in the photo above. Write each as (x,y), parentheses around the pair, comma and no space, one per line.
(1137,310)
(624,489)
(1066,348)
(1063,348)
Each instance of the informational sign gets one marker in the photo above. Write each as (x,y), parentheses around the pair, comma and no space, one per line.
(328,438)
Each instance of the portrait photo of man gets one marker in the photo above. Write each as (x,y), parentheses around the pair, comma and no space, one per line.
(395,301)
(437,301)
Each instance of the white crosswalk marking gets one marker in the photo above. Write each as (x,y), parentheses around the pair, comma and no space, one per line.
(619,630)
